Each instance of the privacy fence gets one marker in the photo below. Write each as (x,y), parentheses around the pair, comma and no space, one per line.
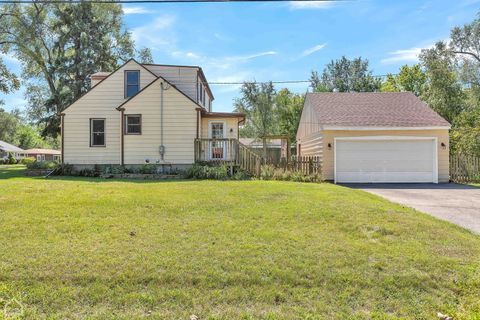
(464,168)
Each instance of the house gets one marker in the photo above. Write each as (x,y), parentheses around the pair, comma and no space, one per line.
(6,148)
(276,148)
(44,154)
(148,113)
(374,137)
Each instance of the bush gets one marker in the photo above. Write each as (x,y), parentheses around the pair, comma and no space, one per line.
(2,161)
(11,159)
(27,160)
(241,175)
(64,169)
(266,172)
(198,171)
(45,165)
(148,168)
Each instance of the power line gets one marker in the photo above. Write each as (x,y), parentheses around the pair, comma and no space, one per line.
(158,1)
(283,81)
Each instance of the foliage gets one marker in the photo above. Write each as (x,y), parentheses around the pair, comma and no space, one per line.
(60,45)
(443,92)
(269,172)
(64,169)
(410,79)
(11,159)
(345,75)
(289,108)
(199,171)
(145,56)
(258,103)
(148,168)
(42,165)
(8,80)
(27,160)
(235,248)
(465,134)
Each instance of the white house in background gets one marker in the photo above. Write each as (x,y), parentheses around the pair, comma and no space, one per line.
(147,113)
(6,148)
(374,137)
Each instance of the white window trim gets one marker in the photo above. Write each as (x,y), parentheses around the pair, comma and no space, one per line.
(210,144)
(386,138)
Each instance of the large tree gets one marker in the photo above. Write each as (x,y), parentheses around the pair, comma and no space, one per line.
(410,79)
(345,75)
(258,103)
(60,45)
(289,108)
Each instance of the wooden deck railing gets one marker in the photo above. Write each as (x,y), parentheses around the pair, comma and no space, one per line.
(464,168)
(234,153)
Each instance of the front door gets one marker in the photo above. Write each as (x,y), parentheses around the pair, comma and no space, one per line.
(217,147)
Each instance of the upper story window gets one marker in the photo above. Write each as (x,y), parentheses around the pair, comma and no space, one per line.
(201,93)
(133,124)
(97,132)
(132,83)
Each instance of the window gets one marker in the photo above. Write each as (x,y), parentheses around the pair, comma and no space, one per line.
(201,92)
(133,124)
(217,130)
(97,132)
(56,158)
(132,83)
(40,157)
(203,101)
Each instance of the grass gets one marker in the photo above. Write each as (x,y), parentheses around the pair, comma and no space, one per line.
(100,249)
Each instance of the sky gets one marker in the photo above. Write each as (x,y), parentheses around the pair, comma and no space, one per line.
(235,42)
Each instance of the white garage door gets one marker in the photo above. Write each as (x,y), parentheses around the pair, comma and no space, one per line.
(383,160)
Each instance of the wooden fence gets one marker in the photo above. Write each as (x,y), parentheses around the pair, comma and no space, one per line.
(464,168)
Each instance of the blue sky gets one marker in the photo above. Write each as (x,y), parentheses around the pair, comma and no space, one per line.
(284,41)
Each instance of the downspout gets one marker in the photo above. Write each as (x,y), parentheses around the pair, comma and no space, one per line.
(162,147)
(62,125)
(122,133)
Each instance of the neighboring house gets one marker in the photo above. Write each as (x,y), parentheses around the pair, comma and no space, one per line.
(374,137)
(44,154)
(147,113)
(6,148)
(276,148)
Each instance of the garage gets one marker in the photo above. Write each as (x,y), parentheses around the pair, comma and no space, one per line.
(386,160)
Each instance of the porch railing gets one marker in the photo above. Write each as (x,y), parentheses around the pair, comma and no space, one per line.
(216,150)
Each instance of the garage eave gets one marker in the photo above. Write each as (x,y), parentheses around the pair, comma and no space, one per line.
(351,128)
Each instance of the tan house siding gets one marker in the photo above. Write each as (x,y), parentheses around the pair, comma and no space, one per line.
(312,145)
(441,135)
(100,102)
(231,124)
(180,123)
(184,78)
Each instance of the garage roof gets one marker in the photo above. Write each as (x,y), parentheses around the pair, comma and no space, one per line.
(373,109)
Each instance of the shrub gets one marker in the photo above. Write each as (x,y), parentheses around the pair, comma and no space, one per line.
(266,172)
(27,160)
(198,171)
(42,165)
(241,175)
(89,173)
(64,169)
(2,161)
(11,159)
(148,168)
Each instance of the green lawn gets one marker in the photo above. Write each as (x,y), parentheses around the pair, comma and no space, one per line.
(100,249)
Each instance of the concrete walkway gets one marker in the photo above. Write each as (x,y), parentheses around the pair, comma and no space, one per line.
(456,203)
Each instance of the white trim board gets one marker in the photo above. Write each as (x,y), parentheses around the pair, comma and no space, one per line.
(388,138)
(347,128)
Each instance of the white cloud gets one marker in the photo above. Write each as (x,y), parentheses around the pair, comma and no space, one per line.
(311,4)
(151,35)
(312,50)
(134,10)
(405,55)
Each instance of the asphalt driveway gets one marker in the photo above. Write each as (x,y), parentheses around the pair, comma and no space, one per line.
(456,203)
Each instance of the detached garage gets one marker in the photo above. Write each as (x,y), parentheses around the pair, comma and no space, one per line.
(375,138)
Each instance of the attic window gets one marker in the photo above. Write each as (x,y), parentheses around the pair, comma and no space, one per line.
(132,83)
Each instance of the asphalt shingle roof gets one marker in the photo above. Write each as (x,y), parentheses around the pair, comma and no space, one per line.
(7,147)
(375,109)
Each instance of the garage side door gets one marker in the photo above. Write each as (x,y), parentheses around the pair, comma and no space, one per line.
(385,161)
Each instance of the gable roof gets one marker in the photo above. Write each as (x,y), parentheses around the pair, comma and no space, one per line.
(373,109)
(42,151)
(7,147)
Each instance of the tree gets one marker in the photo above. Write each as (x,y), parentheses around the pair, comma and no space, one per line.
(9,123)
(258,103)
(60,45)
(345,75)
(410,79)
(145,56)
(443,92)
(289,108)
(465,134)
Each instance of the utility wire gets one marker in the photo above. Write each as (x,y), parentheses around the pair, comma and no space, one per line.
(159,1)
